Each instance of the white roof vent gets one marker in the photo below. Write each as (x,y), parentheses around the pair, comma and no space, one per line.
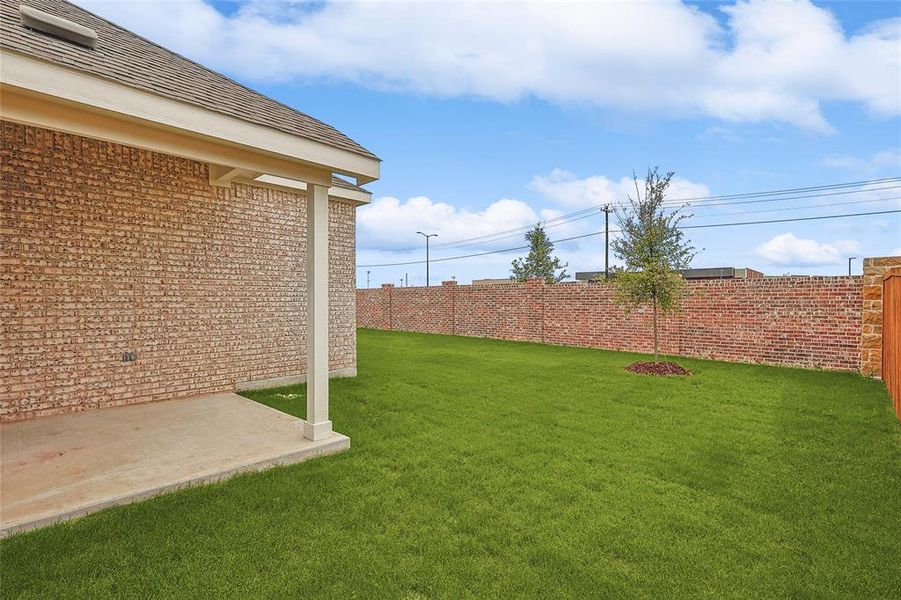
(57,27)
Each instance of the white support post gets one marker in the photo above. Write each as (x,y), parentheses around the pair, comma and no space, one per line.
(317,424)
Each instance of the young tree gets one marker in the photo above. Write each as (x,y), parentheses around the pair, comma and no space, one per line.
(540,262)
(653,250)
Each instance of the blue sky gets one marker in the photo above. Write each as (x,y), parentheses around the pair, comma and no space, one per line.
(490,116)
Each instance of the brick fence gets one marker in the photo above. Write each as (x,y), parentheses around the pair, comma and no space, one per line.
(811,322)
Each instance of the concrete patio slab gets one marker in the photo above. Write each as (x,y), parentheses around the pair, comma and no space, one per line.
(60,467)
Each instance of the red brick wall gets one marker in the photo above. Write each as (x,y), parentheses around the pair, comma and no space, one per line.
(811,322)
(109,249)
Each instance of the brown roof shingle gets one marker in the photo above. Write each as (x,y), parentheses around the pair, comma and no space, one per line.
(129,59)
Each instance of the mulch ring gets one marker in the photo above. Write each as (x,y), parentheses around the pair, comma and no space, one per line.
(661,368)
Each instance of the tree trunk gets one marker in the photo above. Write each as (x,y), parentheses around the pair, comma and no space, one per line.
(656,345)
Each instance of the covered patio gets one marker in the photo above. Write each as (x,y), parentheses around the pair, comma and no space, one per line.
(66,466)
(170,236)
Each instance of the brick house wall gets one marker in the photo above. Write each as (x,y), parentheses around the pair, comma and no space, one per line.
(108,249)
(812,322)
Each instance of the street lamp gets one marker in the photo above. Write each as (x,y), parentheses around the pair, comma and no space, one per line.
(850,258)
(427,236)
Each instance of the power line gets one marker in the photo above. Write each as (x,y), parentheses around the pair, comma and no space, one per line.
(729,196)
(594,233)
(815,218)
(558,220)
(803,197)
(514,235)
(701,201)
(794,190)
(771,210)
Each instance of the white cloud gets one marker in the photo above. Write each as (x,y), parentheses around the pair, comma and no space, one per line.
(770,62)
(567,189)
(389,224)
(885,160)
(718,132)
(788,250)
(884,196)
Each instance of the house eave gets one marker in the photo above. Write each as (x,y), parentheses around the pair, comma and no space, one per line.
(355,197)
(65,89)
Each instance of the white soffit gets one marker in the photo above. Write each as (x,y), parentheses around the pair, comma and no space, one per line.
(333,191)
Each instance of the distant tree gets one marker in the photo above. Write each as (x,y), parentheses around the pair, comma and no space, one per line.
(540,263)
(653,250)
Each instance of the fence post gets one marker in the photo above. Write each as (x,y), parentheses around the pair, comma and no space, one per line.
(450,286)
(388,288)
(535,289)
(872,314)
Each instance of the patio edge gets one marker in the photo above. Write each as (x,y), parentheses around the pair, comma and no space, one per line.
(334,444)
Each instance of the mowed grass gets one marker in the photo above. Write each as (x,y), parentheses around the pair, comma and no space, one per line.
(482,468)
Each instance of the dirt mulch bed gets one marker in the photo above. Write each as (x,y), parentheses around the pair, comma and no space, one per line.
(661,368)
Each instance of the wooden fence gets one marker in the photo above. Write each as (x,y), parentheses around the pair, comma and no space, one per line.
(891,336)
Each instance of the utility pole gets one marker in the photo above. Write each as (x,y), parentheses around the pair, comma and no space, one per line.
(367,279)
(427,236)
(850,258)
(606,210)
(406,280)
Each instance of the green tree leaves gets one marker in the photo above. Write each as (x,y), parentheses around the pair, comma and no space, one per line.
(540,263)
(653,250)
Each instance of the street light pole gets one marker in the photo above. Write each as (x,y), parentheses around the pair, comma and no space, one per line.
(850,258)
(427,236)
(367,279)
(606,210)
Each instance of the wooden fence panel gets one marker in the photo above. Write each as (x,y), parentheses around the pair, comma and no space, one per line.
(891,336)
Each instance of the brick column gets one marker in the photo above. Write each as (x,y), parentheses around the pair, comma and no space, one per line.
(389,289)
(535,289)
(871,314)
(449,308)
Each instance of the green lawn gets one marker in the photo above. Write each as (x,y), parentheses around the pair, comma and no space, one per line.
(496,469)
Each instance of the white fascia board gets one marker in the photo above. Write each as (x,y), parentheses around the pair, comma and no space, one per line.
(75,86)
(48,112)
(333,192)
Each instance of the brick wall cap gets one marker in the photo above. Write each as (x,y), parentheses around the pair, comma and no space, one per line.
(882,261)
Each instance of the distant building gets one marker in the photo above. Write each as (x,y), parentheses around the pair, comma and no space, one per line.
(589,275)
(721,273)
(708,273)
